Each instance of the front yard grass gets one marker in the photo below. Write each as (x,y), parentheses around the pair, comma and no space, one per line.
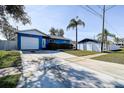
(80,52)
(9,81)
(115,57)
(9,59)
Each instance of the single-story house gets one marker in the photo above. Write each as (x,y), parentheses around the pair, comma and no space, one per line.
(94,45)
(34,39)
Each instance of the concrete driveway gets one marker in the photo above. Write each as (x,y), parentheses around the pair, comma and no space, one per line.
(53,69)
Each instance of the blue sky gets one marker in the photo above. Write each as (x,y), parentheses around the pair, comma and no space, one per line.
(45,17)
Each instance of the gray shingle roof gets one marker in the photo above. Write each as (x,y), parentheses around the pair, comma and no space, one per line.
(87,40)
(50,36)
(58,37)
(33,30)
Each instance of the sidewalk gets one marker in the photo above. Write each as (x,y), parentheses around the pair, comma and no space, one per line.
(112,69)
(94,55)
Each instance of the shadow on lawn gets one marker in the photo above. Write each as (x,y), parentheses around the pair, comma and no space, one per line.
(10,60)
(118,51)
(64,76)
(4,57)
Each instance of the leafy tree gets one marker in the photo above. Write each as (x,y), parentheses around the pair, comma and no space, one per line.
(61,33)
(9,32)
(53,31)
(56,32)
(74,23)
(14,11)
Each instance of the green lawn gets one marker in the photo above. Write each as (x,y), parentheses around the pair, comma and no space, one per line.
(115,57)
(9,59)
(9,81)
(80,52)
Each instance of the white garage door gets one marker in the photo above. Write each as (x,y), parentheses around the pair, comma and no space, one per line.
(29,43)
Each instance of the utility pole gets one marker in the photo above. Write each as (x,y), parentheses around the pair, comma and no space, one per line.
(103,27)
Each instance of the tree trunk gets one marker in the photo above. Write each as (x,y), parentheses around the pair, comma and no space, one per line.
(76,38)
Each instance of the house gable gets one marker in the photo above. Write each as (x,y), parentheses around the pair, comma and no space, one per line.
(33,32)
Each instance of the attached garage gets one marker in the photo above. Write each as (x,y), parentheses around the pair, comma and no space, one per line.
(27,42)
(31,40)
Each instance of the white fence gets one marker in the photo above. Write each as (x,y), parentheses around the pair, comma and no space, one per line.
(8,45)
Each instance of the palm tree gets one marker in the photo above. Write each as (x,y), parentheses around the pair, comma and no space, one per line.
(105,38)
(117,39)
(74,23)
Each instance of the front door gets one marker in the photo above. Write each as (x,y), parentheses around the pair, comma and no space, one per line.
(43,43)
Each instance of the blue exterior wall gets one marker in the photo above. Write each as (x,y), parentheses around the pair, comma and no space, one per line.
(47,43)
(29,35)
(56,41)
(60,41)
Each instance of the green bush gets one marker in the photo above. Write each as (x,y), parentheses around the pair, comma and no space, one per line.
(53,46)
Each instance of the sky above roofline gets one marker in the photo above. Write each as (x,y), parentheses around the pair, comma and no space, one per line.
(44,17)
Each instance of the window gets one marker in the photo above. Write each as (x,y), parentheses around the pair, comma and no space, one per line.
(51,41)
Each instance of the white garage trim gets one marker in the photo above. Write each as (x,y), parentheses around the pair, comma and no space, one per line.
(29,41)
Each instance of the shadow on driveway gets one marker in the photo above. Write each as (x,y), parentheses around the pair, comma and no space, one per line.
(66,76)
(40,52)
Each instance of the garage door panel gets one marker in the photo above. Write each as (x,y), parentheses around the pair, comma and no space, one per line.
(29,42)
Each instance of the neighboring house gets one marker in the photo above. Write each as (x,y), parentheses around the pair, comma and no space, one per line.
(120,43)
(35,39)
(94,45)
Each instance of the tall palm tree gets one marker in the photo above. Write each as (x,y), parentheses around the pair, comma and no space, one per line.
(105,38)
(74,23)
(117,40)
